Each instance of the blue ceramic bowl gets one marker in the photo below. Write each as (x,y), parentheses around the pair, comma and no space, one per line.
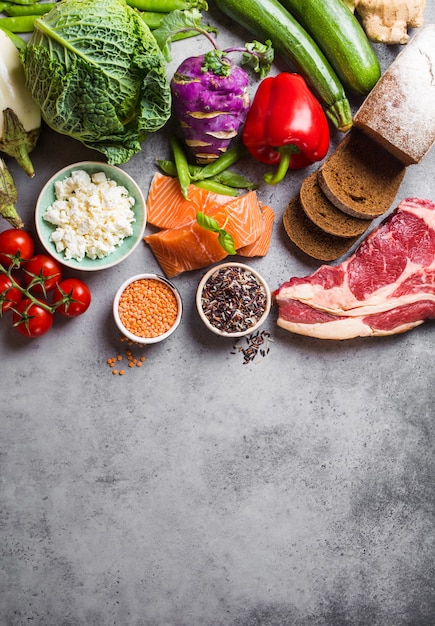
(121,252)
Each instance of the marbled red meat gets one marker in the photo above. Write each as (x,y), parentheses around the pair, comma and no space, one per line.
(386,286)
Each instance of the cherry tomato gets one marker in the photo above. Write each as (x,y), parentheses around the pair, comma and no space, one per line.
(15,244)
(30,319)
(41,273)
(71,297)
(9,295)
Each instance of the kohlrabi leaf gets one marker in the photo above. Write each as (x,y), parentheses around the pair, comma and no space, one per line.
(224,237)
(259,56)
(179,21)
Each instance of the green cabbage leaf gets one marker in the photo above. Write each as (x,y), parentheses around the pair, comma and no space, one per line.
(98,75)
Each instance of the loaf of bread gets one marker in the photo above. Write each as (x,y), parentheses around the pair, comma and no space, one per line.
(309,238)
(399,112)
(325,215)
(360,177)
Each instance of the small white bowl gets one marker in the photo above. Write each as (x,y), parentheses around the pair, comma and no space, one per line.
(137,338)
(47,197)
(258,280)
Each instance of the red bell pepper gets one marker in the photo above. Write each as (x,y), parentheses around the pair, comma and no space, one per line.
(286,125)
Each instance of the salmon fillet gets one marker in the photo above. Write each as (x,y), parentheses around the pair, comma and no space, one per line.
(182,244)
(186,248)
(261,245)
(167,207)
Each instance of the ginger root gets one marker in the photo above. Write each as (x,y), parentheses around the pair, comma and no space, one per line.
(387,21)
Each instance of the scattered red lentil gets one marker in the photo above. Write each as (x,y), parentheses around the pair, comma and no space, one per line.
(132,360)
(148,308)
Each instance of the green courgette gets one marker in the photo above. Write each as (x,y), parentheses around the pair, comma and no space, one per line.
(342,39)
(268,19)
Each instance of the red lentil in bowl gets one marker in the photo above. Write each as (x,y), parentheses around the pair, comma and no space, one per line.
(147,308)
(233,299)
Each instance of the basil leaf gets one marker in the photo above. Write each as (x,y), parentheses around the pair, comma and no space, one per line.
(225,238)
(207,222)
(227,242)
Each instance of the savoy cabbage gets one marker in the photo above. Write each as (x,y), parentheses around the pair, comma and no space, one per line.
(98,75)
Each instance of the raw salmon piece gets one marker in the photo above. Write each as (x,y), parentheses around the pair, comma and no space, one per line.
(261,245)
(241,217)
(167,207)
(187,248)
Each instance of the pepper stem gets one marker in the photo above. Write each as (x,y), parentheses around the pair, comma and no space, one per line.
(286,152)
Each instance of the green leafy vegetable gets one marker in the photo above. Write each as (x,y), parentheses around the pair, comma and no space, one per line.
(224,237)
(176,22)
(98,75)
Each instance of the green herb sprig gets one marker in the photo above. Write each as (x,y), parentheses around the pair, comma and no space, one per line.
(225,238)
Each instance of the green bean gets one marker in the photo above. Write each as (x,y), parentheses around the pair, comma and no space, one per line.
(181,165)
(212,185)
(18,42)
(4,6)
(169,168)
(228,158)
(20,24)
(24,1)
(227,177)
(152,19)
(27,9)
(166,6)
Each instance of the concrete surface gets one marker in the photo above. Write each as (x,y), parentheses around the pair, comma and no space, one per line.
(202,491)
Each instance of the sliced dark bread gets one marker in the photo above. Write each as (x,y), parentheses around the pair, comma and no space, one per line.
(360,177)
(309,238)
(325,215)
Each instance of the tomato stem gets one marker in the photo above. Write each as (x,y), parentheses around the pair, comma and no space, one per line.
(23,290)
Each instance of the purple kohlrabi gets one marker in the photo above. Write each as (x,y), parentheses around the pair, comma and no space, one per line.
(210,107)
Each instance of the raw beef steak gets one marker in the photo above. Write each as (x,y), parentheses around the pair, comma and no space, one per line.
(386,286)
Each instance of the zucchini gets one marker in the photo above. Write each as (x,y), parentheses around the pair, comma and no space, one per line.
(269,20)
(342,39)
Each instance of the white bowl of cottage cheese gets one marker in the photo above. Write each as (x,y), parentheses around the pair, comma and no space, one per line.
(90,215)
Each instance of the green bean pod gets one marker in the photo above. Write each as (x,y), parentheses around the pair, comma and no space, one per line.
(24,2)
(182,166)
(152,19)
(166,6)
(227,177)
(15,10)
(19,24)
(228,158)
(215,187)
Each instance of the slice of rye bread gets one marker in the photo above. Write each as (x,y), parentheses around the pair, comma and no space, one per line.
(325,215)
(311,239)
(360,177)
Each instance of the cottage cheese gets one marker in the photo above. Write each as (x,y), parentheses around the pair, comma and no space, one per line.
(92,215)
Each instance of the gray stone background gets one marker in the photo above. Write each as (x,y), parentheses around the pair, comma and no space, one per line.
(202,491)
